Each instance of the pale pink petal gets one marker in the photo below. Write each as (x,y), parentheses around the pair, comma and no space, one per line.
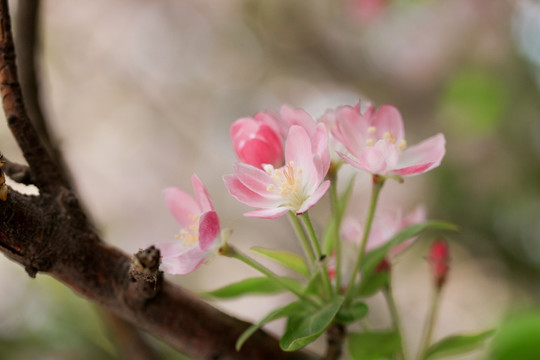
(298,117)
(320,147)
(416,216)
(181,205)
(271,213)
(422,157)
(388,119)
(246,196)
(314,198)
(298,150)
(269,119)
(351,133)
(350,160)
(201,194)
(169,249)
(351,230)
(241,130)
(208,229)
(185,262)
(372,160)
(254,179)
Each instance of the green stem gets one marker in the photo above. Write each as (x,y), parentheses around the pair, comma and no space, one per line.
(389,295)
(303,238)
(318,253)
(430,324)
(230,251)
(337,224)
(378,182)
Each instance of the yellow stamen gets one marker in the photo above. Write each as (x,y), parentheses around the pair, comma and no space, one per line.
(369,142)
(371,129)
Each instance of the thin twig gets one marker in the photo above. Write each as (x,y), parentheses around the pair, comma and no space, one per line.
(47,176)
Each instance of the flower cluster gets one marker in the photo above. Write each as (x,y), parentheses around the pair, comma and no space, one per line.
(283,167)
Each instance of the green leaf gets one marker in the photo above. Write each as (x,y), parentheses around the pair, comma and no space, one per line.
(517,338)
(287,259)
(251,286)
(457,344)
(305,328)
(373,345)
(313,286)
(372,282)
(356,312)
(374,257)
(292,308)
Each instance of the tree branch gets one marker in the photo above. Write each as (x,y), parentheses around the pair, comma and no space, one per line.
(47,176)
(50,233)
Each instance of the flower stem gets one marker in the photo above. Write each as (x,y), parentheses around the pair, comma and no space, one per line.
(389,295)
(337,224)
(303,238)
(430,324)
(378,182)
(230,251)
(318,253)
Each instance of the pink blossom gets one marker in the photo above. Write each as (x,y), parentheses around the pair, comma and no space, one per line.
(296,186)
(376,143)
(257,140)
(384,227)
(199,236)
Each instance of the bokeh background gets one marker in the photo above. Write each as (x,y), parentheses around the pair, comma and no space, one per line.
(140,94)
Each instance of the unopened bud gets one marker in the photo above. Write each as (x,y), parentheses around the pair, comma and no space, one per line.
(439,258)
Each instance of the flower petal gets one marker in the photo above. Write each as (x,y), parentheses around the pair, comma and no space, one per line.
(388,119)
(298,150)
(254,179)
(314,198)
(422,157)
(270,213)
(208,230)
(201,194)
(181,205)
(185,262)
(246,196)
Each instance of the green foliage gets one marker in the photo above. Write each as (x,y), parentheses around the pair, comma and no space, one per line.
(251,286)
(518,338)
(285,258)
(474,100)
(372,282)
(457,344)
(290,309)
(353,313)
(374,257)
(305,328)
(373,345)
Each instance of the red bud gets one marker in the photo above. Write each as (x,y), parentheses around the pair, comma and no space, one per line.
(439,257)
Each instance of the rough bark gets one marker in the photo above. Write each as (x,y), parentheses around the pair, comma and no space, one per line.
(50,233)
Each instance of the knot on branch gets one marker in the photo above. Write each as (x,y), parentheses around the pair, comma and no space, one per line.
(145,277)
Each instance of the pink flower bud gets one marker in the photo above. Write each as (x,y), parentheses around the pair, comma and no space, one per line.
(257,140)
(439,257)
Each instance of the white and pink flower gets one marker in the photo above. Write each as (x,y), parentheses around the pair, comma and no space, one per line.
(296,186)
(199,237)
(375,141)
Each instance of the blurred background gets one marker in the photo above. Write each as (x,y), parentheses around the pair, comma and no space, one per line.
(140,94)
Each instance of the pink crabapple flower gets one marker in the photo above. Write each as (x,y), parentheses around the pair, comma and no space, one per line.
(384,227)
(376,143)
(258,140)
(296,186)
(199,237)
